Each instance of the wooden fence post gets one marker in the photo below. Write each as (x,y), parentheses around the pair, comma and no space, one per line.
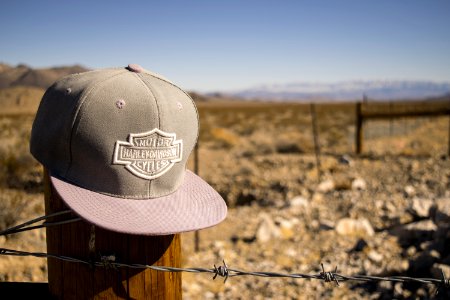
(82,240)
(448,139)
(358,129)
(312,108)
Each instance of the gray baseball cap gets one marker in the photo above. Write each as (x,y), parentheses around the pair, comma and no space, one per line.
(116,143)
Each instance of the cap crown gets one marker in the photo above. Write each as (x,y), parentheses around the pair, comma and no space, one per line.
(116,132)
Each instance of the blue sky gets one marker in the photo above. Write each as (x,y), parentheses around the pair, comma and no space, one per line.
(227,45)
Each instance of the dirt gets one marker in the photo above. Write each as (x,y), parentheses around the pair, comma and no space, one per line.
(286,215)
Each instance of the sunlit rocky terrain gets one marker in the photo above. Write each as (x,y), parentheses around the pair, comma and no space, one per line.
(383,212)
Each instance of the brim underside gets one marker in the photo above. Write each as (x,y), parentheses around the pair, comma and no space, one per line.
(195,205)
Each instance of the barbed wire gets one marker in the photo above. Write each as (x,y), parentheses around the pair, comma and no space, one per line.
(225,271)
(26,225)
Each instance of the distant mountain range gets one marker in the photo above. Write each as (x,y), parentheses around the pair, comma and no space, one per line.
(23,75)
(349,90)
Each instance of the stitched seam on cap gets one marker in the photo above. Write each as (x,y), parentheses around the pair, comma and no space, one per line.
(154,97)
(184,92)
(77,117)
(159,118)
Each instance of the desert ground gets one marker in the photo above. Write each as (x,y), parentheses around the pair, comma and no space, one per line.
(384,212)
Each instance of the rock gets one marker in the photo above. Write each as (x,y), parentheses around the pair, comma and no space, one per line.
(375,256)
(326,186)
(385,285)
(299,201)
(267,230)
(298,204)
(317,198)
(345,160)
(441,211)
(359,184)
(368,266)
(397,266)
(314,225)
(411,250)
(379,204)
(421,293)
(435,254)
(219,248)
(409,191)
(354,227)
(426,246)
(398,290)
(421,207)
(286,229)
(291,252)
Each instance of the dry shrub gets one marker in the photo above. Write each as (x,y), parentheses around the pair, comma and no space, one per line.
(20,171)
(288,141)
(11,208)
(262,142)
(224,138)
(288,146)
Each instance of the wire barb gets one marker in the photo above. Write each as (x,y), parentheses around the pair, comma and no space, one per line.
(108,261)
(445,283)
(221,271)
(329,276)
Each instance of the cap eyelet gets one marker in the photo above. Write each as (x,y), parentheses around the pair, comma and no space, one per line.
(120,103)
(68,91)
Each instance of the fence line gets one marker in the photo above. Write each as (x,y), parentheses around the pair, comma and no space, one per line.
(225,271)
(370,113)
(27,225)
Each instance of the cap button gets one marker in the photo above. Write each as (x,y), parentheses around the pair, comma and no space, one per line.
(135,68)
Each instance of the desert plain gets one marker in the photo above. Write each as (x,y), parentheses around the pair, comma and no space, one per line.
(383,212)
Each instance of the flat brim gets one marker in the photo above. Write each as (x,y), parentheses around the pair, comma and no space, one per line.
(194,205)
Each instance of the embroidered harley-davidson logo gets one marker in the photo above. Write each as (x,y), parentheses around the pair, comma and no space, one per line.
(150,154)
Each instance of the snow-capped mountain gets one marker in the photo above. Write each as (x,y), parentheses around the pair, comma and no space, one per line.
(350,90)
